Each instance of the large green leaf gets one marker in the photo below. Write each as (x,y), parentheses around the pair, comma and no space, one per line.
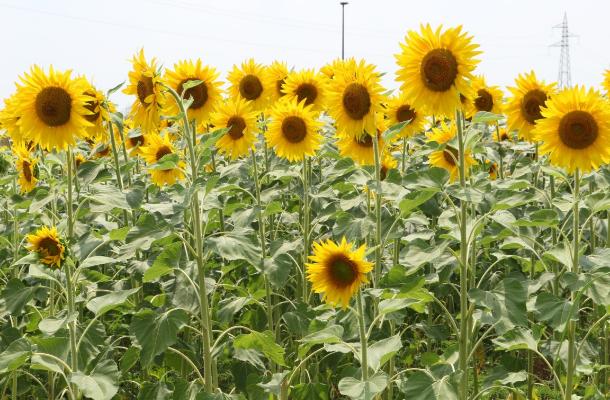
(156,332)
(263,342)
(103,304)
(101,383)
(381,351)
(165,262)
(436,384)
(329,335)
(363,390)
(15,296)
(236,245)
(15,355)
(554,310)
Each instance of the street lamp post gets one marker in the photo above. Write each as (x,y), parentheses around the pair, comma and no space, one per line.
(343,4)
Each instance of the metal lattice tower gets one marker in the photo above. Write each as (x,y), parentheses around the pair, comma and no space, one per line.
(564,78)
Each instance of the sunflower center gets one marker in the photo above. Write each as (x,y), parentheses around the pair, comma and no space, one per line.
(439,68)
(237,125)
(145,88)
(50,246)
(365,140)
(27,171)
(578,129)
(383,172)
(531,103)
(451,155)
(136,141)
(405,113)
(308,92)
(484,101)
(356,100)
(278,86)
(93,107)
(250,87)
(199,93)
(294,129)
(343,271)
(463,99)
(504,136)
(53,106)
(163,151)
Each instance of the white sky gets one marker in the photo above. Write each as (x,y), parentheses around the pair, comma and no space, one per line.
(97,38)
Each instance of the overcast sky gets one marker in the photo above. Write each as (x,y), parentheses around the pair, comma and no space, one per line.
(97,38)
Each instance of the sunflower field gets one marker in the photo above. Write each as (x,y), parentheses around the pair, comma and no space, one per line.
(306,234)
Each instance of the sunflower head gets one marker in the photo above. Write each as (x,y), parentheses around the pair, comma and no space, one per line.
(47,244)
(145,83)
(237,115)
(448,157)
(99,109)
(575,129)
(493,170)
(51,108)
(400,109)
(153,152)
(249,82)
(9,118)
(205,95)
(26,168)
(79,158)
(275,75)
(294,130)
(337,270)
(434,68)
(484,98)
(330,70)
(387,163)
(524,106)
(501,135)
(306,86)
(355,95)
(361,148)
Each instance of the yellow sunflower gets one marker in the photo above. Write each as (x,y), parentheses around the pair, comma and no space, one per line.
(575,129)
(205,95)
(447,157)
(99,108)
(294,130)
(79,158)
(484,98)
(355,95)
(501,135)
(330,70)
(276,75)
(51,108)
(434,68)
(26,167)
(238,115)
(523,107)
(135,140)
(249,82)
(360,148)
(387,163)
(306,85)
(145,84)
(493,170)
(9,118)
(399,109)
(47,244)
(606,83)
(337,270)
(156,148)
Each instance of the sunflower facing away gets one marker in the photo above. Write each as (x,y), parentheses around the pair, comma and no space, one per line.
(294,130)
(276,74)
(355,95)
(26,167)
(361,148)
(575,129)
(484,98)
(47,244)
(306,85)
(399,109)
(236,114)
(249,83)
(523,107)
(205,95)
(156,148)
(448,157)
(52,108)
(145,84)
(434,68)
(337,270)
(135,140)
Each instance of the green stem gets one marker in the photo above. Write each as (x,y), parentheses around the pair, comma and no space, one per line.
(124,150)
(363,344)
(306,227)
(575,267)
(592,222)
(501,151)
(530,355)
(405,148)
(378,195)
(117,166)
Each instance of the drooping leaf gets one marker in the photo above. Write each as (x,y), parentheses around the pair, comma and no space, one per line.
(101,383)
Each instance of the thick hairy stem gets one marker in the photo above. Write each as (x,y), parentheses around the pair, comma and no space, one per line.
(306,227)
(378,195)
(363,344)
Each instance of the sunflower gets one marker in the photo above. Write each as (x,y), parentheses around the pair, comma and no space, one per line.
(361,148)
(337,270)
(294,130)
(145,84)
(306,85)
(26,166)
(205,95)
(606,83)
(51,108)
(493,170)
(79,158)
(101,150)
(399,109)
(484,98)
(236,114)
(135,140)
(501,135)
(330,70)
(434,68)
(448,157)
(354,98)
(156,148)
(523,108)
(99,108)
(249,83)
(9,118)
(387,163)
(575,129)
(276,75)
(47,244)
